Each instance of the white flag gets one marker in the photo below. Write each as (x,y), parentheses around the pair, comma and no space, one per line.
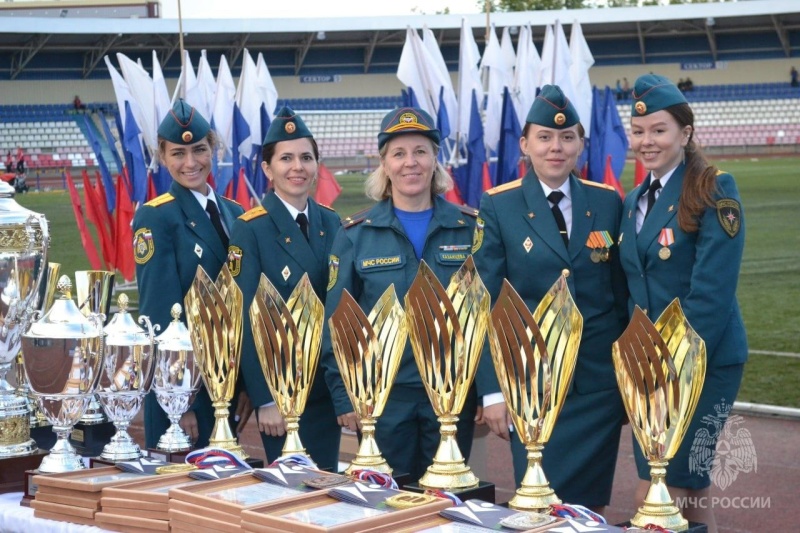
(141,89)
(527,74)
(582,61)
(449,94)
(160,93)
(556,61)
(469,79)
(224,96)
(495,65)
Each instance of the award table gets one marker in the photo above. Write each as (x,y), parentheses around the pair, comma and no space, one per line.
(15,518)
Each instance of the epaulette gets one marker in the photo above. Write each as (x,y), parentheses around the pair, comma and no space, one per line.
(596,184)
(720,172)
(505,187)
(256,212)
(467,210)
(160,200)
(329,208)
(355,218)
(231,200)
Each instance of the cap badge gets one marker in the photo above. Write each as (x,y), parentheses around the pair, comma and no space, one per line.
(408,118)
(290,127)
(187,136)
(560,119)
(640,107)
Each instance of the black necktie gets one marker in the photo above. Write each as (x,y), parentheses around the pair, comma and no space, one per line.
(555,197)
(302,221)
(213,214)
(655,185)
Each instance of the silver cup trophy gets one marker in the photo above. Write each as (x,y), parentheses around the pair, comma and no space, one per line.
(128,360)
(24,238)
(176,380)
(63,359)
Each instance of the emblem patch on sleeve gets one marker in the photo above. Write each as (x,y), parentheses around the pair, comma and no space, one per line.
(477,237)
(143,245)
(235,260)
(333,271)
(729,214)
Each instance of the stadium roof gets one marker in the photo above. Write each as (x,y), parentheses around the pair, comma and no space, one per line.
(73,48)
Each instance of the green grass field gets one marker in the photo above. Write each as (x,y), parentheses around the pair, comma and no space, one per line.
(769,287)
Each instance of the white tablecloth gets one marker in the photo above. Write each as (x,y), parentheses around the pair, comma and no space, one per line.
(15,518)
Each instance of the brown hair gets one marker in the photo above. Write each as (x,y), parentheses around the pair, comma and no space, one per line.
(700,177)
(268,150)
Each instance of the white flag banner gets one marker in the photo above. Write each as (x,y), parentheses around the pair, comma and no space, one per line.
(160,92)
(224,96)
(141,89)
(249,101)
(449,94)
(266,88)
(469,79)
(582,61)
(556,61)
(201,94)
(527,73)
(495,67)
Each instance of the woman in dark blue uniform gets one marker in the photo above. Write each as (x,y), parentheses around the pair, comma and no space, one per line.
(682,236)
(529,231)
(287,236)
(173,234)
(410,222)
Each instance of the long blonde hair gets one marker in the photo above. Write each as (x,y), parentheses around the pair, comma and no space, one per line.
(378,186)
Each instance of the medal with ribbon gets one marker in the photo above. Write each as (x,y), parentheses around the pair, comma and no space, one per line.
(599,242)
(666,238)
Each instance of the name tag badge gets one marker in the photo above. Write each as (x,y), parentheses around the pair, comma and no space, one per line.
(452,257)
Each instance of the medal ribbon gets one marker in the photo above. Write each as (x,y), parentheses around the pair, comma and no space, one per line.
(576,511)
(444,494)
(295,459)
(667,237)
(371,476)
(599,239)
(208,457)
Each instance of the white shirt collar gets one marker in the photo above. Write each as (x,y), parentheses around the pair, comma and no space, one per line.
(293,211)
(203,199)
(564,187)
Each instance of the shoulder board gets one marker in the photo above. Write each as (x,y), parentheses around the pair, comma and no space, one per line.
(231,200)
(329,208)
(720,172)
(599,185)
(355,218)
(253,213)
(467,210)
(160,200)
(505,187)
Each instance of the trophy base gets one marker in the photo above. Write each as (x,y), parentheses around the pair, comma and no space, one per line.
(168,456)
(449,477)
(173,441)
(114,453)
(483,491)
(365,464)
(89,440)
(12,470)
(533,500)
(20,449)
(56,463)
(667,516)
(692,527)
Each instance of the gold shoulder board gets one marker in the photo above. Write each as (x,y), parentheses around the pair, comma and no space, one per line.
(329,208)
(355,218)
(467,210)
(505,187)
(231,200)
(596,184)
(253,213)
(160,200)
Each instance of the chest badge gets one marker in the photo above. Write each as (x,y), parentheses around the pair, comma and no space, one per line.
(527,244)
(198,250)
(286,273)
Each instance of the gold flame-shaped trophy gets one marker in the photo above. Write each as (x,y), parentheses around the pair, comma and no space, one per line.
(287,336)
(368,350)
(534,356)
(214,320)
(447,328)
(660,371)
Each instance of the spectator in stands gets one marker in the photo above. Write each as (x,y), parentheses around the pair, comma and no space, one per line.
(681,85)
(173,235)
(77,104)
(626,88)
(684,237)
(20,160)
(287,236)
(20,182)
(793,75)
(9,162)
(620,94)
(688,85)
(410,222)
(541,224)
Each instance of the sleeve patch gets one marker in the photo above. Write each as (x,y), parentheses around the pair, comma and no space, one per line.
(477,237)
(729,214)
(143,245)
(235,260)
(333,271)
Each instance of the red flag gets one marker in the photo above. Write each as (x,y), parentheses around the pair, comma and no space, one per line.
(92,208)
(242,194)
(328,189)
(523,169)
(453,195)
(610,179)
(151,187)
(210,181)
(487,178)
(124,234)
(639,173)
(102,206)
(86,238)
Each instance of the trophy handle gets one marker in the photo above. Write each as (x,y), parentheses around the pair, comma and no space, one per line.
(34,302)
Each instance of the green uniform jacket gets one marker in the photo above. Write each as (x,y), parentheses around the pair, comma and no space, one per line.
(172,236)
(267,239)
(378,234)
(702,269)
(517,239)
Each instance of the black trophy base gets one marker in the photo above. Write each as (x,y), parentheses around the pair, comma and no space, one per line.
(12,470)
(44,436)
(168,457)
(694,527)
(89,439)
(484,491)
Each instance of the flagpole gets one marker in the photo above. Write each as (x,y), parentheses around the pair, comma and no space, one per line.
(488,6)
(180,45)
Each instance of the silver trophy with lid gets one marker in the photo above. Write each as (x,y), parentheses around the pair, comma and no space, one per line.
(63,357)
(24,239)
(177,379)
(128,364)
